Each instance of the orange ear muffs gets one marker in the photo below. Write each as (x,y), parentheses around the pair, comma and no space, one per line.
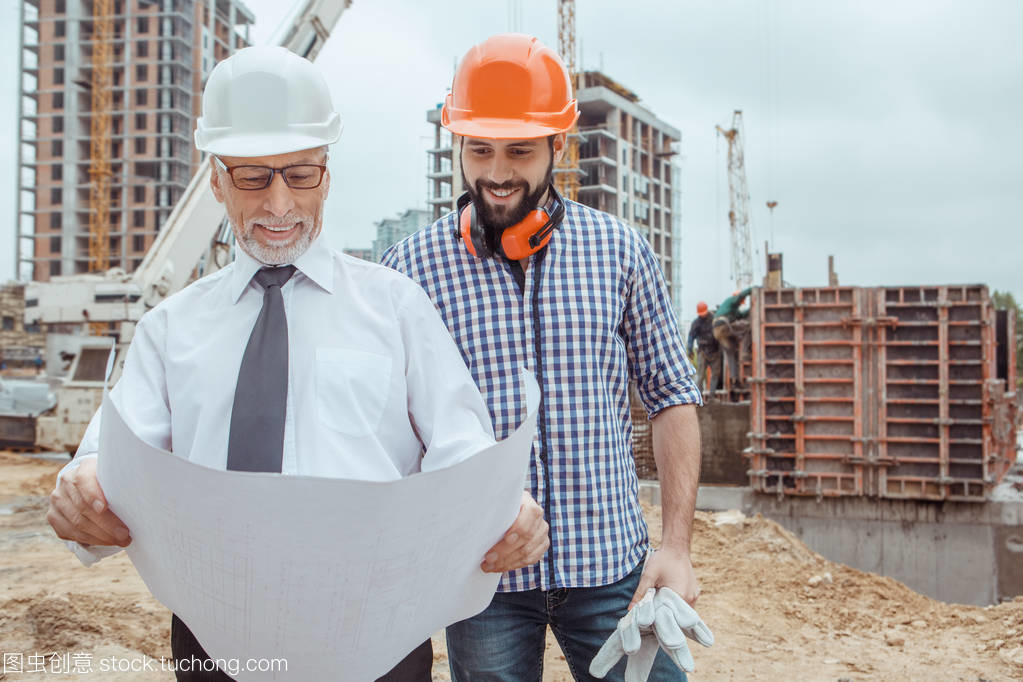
(470,230)
(518,241)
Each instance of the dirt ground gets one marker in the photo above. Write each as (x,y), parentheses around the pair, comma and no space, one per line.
(777,609)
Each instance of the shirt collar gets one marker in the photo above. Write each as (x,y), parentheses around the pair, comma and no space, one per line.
(317,263)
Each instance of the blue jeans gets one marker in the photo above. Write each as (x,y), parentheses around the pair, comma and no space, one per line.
(505,643)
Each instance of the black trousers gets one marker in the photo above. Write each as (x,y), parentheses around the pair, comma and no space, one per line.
(416,667)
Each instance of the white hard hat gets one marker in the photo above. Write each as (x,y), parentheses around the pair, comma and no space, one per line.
(263,101)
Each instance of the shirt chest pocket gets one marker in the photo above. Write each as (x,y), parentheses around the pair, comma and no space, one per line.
(352,389)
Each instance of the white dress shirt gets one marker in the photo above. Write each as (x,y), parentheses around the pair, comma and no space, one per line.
(377,389)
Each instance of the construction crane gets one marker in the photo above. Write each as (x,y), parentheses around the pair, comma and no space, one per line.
(738,204)
(99,137)
(567,178)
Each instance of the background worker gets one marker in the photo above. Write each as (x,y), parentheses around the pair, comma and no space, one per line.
(294,358)
(524,278)
(708,351)
(726,314)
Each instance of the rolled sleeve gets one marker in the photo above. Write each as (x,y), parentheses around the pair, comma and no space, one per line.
(657,358)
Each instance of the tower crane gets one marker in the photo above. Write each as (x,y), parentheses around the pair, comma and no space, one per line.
(567,178)
(99,135)
(738,204)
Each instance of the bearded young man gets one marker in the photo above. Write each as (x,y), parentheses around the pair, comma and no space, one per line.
(524,278)
(295,358)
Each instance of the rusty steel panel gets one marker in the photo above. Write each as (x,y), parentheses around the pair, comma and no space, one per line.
(888,391)
(935,443)
(806,392)
(1005,331)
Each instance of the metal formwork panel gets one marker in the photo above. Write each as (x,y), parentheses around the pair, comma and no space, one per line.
(1005,347)
(1011,378)
(1001,417)
(773,450)
(936,356)
(806,392)
(891,392)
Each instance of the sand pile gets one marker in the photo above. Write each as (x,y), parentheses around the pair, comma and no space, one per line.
(778,610)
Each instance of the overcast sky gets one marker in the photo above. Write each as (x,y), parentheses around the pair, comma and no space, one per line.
(888,132)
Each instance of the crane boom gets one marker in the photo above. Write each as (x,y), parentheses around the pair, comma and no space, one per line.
(738,204)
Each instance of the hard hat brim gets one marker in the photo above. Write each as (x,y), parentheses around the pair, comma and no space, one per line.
(226,141)
(506,129)
(265,144)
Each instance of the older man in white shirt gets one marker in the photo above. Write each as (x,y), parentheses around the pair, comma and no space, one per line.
(294,358)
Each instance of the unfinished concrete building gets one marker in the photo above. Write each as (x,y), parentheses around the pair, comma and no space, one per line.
(390,231)
(364,254)
(161,52)
(627,165)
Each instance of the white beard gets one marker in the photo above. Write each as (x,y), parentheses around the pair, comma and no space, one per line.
(285,254)
(276,255)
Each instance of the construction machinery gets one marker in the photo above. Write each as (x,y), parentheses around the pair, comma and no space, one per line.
(21,403)
(738,204)
(194,241)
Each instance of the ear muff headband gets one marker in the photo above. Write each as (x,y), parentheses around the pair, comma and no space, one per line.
(518,241)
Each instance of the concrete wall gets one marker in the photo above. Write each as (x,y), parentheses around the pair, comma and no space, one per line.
(723,429)
(955,552)
(962,552)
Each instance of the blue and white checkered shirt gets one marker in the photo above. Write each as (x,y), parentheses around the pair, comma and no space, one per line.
(594,313)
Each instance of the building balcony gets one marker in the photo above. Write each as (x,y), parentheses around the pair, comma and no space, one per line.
(599,188)
(606,160)
(598,130)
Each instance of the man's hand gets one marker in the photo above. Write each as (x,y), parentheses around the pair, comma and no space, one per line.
(79,511)
(523,544)
(668,568)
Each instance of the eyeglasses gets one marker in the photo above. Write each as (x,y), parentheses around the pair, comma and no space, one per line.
(299,176)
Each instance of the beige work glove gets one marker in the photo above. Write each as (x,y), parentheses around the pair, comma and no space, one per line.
(662,619)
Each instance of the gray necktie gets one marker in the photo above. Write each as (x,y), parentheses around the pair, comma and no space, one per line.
(256,441)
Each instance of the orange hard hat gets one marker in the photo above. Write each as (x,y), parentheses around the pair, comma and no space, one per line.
(510,86)
(701,307)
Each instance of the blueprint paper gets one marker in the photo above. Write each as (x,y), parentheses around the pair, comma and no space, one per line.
(340,578)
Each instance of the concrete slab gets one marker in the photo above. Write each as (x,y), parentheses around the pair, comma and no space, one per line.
(723,498)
